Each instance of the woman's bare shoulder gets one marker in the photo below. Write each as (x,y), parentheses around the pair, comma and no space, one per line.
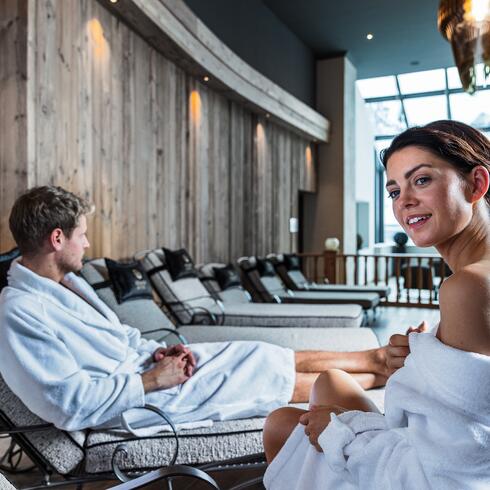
(465,309)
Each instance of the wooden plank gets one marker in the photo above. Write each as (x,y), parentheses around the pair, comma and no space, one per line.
(173,29)
(13,103)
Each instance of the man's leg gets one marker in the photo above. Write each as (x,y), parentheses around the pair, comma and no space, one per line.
(368,361)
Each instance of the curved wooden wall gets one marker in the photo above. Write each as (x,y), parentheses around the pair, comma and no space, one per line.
(167,161)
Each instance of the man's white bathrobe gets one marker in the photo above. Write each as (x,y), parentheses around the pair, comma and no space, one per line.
(435,433)
(74,364)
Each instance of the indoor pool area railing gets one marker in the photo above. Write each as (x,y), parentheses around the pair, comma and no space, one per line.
(413,279)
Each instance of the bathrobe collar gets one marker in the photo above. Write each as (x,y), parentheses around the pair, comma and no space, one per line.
(74,295)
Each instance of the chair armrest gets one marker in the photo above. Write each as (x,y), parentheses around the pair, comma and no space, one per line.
(165,473)
(193,310)
(26,428)
(123,448)
(170,330)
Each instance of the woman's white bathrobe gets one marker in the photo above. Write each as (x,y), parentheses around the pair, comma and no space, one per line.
(435,433)
(74,364)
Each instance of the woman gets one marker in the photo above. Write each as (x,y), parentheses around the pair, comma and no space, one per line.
(436,429)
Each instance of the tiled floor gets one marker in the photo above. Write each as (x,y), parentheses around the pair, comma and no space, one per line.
(388,321)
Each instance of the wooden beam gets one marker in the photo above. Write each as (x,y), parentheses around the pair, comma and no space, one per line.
(173,29)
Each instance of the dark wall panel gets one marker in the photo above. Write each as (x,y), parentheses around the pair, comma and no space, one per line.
(255,34)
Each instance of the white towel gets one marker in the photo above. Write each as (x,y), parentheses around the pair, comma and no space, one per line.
(435,435)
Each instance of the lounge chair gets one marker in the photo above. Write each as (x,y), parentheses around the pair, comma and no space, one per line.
(152,321)
(261,277)
(189,302)
(288,267)
(93,455)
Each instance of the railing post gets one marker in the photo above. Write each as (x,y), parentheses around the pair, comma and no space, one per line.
(330,265)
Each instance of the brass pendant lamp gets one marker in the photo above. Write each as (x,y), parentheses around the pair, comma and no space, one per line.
(466,25)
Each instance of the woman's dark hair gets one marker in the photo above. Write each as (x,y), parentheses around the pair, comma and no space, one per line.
(457,143)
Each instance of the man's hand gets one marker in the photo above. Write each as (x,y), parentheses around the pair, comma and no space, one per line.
(398,348)
(316,420)
(168,372)
(175,350)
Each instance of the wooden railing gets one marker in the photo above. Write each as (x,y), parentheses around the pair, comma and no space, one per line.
(414,280)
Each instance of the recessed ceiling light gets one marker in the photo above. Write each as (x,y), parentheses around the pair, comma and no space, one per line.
(369,37)
(113,1)
(206,79)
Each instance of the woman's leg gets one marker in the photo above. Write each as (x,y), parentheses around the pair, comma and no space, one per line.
(278,427)
(336,387)
(333,387)
(305,381)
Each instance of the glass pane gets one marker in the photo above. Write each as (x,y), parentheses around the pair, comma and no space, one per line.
(471,109)
(422,81)
(423,110)
(453,80)
(387,117)
(377,87)
(381,145)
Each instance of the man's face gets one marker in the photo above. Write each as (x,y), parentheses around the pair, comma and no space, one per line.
(69,257)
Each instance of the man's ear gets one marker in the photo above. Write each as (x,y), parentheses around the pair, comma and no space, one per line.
(480,182)
(56,238)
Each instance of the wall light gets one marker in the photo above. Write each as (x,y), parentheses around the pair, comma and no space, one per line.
(206,79)
(195,107)
(99,45)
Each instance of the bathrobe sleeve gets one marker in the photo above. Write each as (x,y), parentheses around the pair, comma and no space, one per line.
(361,449)
(137,342)
(41,371)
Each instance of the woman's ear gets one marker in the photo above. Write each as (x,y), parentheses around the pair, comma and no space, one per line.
(480,182)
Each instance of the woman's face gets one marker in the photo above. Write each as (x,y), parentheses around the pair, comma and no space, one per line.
(429,196)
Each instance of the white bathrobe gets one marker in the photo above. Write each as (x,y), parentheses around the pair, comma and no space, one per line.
(74,364)
(435,434)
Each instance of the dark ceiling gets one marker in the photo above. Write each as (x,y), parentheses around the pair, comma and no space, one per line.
(405,32)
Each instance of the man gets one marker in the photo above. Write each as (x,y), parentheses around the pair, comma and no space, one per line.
(70,360)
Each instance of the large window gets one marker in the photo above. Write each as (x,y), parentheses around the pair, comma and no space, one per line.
(401,101)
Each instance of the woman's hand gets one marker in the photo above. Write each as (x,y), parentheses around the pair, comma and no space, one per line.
(398,349)
(316,420)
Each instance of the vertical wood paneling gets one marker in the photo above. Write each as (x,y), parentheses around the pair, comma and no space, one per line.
(13,107)
(113,120)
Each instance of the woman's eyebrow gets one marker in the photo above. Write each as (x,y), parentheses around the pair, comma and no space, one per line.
(409,173)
